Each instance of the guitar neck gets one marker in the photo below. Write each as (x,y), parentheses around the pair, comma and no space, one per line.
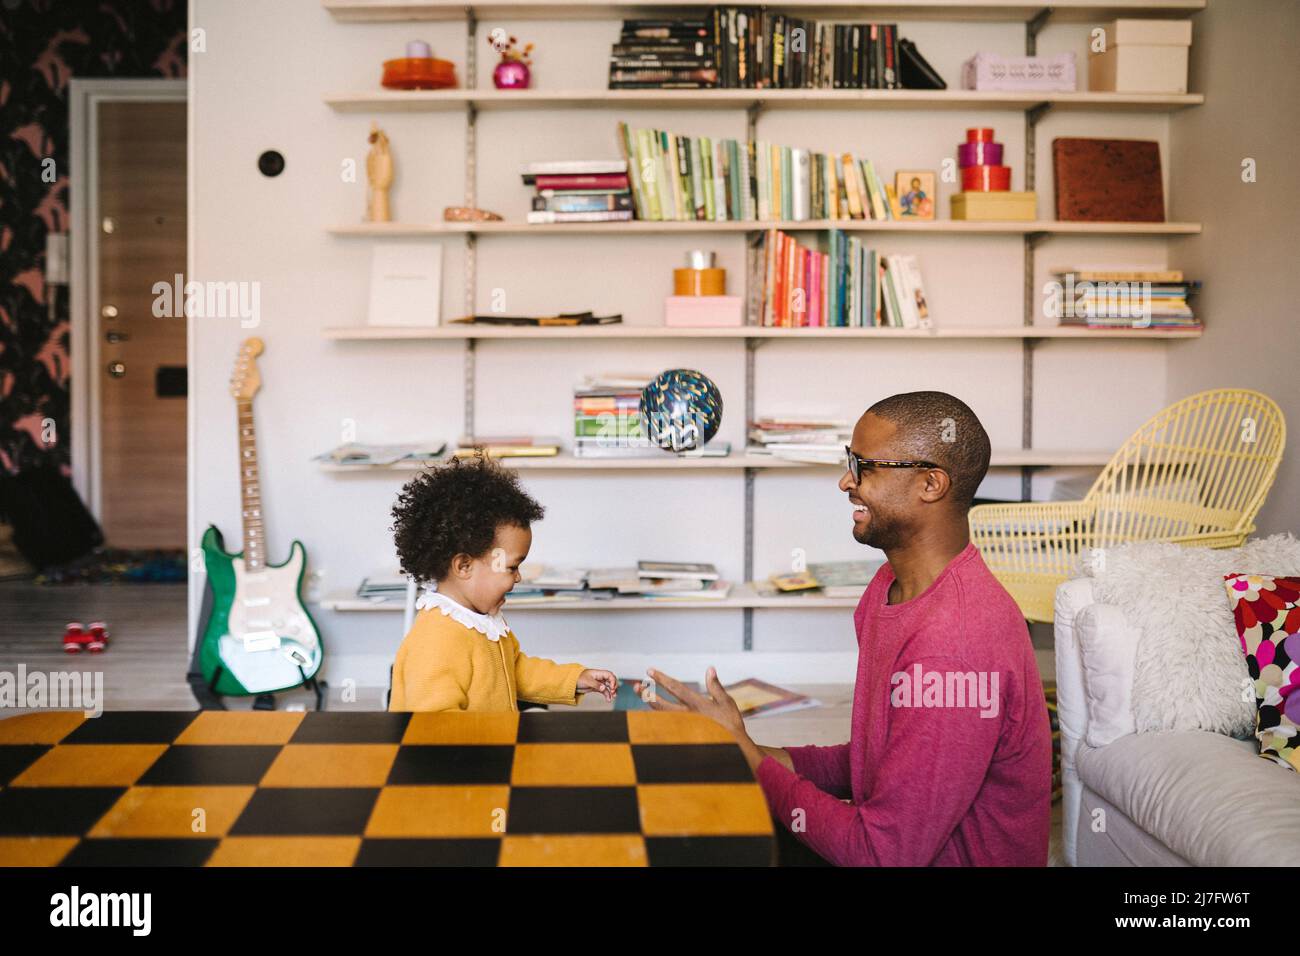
(250,490)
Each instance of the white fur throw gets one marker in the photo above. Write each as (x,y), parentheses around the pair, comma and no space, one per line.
(1190,671)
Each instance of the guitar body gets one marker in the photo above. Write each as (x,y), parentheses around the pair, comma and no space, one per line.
(260,638)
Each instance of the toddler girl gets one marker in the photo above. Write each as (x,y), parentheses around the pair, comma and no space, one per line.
(462,529)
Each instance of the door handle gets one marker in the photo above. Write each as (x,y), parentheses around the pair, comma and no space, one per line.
(116,369)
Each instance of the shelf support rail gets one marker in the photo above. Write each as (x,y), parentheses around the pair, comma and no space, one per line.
(469,362)
(1033,115)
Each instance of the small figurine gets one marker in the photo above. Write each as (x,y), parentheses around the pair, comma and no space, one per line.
(513,72)
(379,172)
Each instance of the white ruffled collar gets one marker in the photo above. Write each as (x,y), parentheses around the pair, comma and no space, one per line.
(491,626)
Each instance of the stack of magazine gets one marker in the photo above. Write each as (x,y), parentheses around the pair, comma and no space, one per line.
(847,579)
(358,454)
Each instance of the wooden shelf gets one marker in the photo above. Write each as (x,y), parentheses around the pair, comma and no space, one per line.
(1007,458)
(742,596)
(648,227)
(358,11)
(483,99)
(461,332)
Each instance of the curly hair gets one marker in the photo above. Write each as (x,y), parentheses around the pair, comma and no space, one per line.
(456,508)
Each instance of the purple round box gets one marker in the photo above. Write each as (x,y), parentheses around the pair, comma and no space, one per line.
(979,154)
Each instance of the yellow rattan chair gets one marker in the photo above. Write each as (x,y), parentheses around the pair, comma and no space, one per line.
(1195,474)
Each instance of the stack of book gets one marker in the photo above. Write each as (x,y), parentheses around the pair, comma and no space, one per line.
(696,177)
(381,588)
(607,421)
(663,55)
(607,418)
(800,438)
(760,49)
(845,579)
(546,584)
(512,446)
(1135,298)
(660,580)
(583,190)
(848,285)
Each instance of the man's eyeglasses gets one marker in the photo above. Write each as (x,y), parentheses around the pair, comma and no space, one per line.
(856,463)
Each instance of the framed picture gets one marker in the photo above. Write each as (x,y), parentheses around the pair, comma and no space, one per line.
(915,191)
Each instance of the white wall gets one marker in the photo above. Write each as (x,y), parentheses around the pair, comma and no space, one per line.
(1245,58)
(260,85)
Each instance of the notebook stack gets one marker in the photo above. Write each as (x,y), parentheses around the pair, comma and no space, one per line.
(696,177)
(1157,299)
(846,286)
(800,439)
(664,55)
(584,190)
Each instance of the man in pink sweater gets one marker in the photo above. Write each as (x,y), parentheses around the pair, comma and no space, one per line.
(949,759)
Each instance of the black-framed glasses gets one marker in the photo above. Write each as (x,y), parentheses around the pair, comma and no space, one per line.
(856,462)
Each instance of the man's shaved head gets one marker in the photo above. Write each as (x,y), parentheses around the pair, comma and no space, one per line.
(938,427)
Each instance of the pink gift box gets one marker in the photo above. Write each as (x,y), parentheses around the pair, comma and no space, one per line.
(703,311)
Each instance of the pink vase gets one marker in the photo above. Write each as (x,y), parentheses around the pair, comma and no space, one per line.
(511,75)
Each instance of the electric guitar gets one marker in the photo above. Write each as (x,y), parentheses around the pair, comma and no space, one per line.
(259,637)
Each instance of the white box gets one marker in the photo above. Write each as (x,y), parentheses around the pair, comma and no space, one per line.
(992,71)
(1139,68)
(1142,56)
(1149,33)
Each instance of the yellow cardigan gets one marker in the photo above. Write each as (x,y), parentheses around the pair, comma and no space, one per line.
(444,665)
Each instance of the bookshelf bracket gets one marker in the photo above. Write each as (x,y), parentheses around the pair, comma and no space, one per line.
(1033,27)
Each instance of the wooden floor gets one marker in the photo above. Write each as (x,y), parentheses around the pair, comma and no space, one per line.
(144,667)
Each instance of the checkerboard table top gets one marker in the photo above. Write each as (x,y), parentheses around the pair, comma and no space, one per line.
(250,788)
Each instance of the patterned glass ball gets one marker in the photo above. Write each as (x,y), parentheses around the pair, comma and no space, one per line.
(681,409)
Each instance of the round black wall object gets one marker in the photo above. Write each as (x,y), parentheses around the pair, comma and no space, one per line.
(271,163)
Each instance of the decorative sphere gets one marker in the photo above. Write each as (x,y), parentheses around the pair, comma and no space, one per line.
(681,409)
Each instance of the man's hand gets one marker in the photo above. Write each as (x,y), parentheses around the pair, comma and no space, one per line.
(718,706)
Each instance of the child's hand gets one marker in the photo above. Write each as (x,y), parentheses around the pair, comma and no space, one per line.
(602,681)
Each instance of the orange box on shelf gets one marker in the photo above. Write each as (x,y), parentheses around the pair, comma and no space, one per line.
(703,311)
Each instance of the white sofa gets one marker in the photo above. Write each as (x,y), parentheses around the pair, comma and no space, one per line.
(1154,799)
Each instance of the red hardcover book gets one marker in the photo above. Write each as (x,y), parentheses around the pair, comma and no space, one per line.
(597,181)
(1108,180)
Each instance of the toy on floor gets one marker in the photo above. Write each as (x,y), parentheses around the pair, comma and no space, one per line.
(76,638)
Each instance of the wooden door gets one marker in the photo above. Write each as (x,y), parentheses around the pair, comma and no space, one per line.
(142,212)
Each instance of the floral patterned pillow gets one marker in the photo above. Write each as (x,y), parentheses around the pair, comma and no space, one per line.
(1267,613)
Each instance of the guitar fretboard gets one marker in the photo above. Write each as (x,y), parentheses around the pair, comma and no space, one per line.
(250,490)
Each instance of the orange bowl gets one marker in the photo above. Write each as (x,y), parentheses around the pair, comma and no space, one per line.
(419,73)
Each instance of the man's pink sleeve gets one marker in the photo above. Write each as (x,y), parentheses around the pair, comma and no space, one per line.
(934,763)
(826,767)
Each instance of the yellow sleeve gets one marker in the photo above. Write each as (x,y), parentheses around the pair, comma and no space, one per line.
(542,681)
(431,672)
